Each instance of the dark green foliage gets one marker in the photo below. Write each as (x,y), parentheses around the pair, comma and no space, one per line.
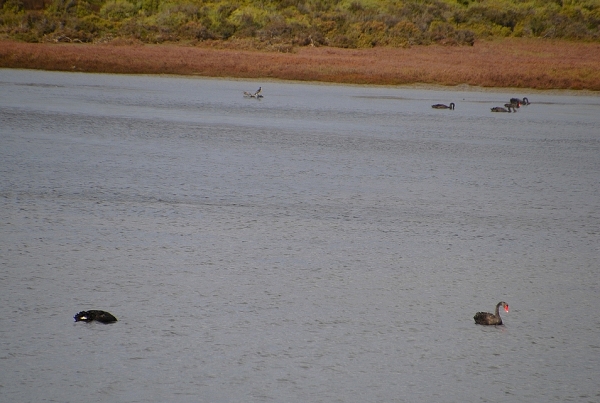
(12,6)
(286,23)
(150,6)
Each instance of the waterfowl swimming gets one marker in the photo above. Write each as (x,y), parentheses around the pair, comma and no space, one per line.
(519,102)
(501,109)
(100,316)
(442,106)
(257,94)
(486,318)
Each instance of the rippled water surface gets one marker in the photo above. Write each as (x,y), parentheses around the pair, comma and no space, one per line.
(322,244)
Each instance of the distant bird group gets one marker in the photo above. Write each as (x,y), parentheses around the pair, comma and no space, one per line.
(509,107)
(256,95)
(481,318)
(513,104)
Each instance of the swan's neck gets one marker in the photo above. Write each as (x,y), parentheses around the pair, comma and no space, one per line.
(497,313)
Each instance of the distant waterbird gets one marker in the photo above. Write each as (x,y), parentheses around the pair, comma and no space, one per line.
(442,106)
(257,94)
(100,316)
(501,109)
(518,102)
(486,318)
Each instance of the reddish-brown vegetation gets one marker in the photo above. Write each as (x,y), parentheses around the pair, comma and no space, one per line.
(525,63)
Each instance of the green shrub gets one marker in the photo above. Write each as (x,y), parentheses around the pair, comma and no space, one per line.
(284,23)
(150,6)
(12,6)
(195,30)
(89,24)
(117,10)
(63,7)
(406,32)
(372,33)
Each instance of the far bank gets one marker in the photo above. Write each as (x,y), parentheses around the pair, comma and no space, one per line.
(517,63)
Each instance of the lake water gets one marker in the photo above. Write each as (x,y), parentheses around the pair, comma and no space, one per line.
(322,244)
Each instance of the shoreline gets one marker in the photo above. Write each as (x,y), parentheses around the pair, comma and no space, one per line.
(508,63)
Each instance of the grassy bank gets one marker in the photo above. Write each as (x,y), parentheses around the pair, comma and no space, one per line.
(520,63)
(492,43)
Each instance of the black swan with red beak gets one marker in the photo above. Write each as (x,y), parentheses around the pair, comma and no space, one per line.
(100,316)
(486,318)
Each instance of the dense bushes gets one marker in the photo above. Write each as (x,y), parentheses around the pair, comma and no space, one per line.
(284,24)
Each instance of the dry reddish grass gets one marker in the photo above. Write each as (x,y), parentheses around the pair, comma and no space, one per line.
(524,63)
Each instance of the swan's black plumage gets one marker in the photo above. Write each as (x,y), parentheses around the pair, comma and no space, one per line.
(501,109)
(486,318)
(442,106)
(519,102)
(100,316)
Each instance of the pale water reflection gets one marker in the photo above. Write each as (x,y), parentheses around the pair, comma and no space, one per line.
(321,244)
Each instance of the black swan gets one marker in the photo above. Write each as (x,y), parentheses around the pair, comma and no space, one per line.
(486,318)
(442,106)
(501,109)
(519,102)
(100,316)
